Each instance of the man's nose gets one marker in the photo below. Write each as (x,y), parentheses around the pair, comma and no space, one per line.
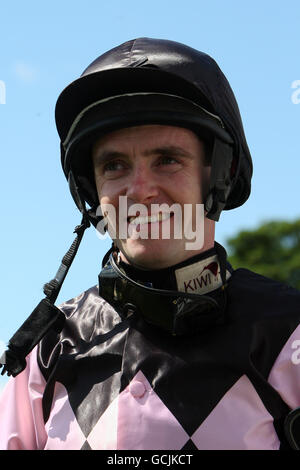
(142,186)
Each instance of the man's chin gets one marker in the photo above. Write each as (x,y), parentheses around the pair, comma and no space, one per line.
(144,258)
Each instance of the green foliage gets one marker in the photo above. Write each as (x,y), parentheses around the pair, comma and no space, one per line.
(273,250)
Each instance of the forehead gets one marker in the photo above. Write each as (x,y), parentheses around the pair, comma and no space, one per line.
(146,136)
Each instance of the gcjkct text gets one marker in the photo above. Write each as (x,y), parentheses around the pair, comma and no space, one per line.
(169,460)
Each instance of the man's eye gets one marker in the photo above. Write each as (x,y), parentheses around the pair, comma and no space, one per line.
(167,161)
(113,166)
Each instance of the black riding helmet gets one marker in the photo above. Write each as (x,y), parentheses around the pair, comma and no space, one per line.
(154,81)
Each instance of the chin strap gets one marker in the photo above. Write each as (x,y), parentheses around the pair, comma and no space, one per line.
(44,317)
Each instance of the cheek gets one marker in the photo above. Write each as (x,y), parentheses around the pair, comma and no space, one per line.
(104,193)
(198,185)
(109,200)
(191,186)
(105,190)
(99,184)
(110,211)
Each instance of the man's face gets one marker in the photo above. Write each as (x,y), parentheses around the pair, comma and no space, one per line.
(154,165)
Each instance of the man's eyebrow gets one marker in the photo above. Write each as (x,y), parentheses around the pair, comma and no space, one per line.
(168,150)
(106,156)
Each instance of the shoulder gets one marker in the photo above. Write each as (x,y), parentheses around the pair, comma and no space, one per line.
(256,299)
(268,307)
(86,316)
(251,286)
(265,314)
(89,297)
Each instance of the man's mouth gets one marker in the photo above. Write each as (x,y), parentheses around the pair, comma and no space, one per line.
(150,219)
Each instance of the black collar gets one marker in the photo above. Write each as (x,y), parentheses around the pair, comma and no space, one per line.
(173,311)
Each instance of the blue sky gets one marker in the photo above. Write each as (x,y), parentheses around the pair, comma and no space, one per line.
(44,46)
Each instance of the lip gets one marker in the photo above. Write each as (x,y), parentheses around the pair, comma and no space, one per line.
(150,219)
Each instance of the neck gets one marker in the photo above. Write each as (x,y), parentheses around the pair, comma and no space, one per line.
(199,274)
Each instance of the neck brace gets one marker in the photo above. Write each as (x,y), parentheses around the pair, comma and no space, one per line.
(183,299)
(198,275)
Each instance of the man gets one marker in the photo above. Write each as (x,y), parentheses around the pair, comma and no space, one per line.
(174,349)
